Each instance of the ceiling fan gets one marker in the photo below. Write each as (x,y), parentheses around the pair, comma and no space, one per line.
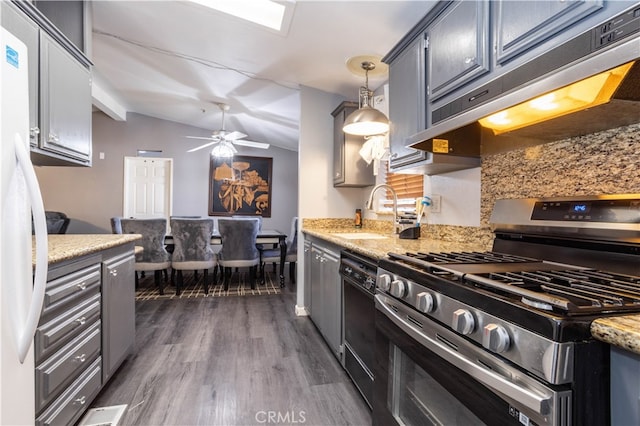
(226,140)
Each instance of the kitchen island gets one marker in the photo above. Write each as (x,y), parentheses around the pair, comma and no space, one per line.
(87,324)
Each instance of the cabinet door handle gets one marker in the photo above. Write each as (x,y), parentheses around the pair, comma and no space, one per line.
(82,285)
(81,320)
(469,59)
(114,272)
(82,400)
(53,138)
(81,357)
(34,132)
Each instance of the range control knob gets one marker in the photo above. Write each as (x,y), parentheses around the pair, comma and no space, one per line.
(369,283)
(495,338)
(463,321)
(398,288)
(384,282)
(424,302)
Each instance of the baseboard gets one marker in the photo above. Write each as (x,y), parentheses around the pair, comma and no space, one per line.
(302,311)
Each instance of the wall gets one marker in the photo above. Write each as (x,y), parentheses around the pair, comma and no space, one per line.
(90,196)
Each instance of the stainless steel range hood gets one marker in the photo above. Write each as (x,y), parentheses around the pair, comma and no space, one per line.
(588,54)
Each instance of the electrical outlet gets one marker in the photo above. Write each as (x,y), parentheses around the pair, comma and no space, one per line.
(436,203)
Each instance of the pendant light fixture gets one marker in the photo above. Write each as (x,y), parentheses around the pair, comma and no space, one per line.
(366,120)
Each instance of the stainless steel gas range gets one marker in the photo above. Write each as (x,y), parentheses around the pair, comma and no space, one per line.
(503,337)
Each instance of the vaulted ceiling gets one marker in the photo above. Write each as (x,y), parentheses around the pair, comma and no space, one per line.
(175,59)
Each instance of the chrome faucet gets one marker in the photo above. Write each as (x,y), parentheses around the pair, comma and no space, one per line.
(395,204)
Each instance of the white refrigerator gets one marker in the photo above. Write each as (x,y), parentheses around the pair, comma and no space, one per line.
(21,294)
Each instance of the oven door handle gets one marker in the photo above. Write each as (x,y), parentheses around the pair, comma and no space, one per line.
(535,400)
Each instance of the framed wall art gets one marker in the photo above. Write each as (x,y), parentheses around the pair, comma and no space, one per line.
(240,185)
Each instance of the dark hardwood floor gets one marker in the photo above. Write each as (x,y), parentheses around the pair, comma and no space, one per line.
(231,361)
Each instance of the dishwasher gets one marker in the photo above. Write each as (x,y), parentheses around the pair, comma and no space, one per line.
(358,275)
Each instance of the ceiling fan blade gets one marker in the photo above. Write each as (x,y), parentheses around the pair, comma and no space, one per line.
(208,138)
(202,146)
(234,135)
(252,144)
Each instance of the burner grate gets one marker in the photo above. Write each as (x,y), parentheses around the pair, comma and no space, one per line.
(582,291)
(470,257)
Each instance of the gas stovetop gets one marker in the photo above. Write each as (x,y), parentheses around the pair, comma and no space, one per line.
(548,286)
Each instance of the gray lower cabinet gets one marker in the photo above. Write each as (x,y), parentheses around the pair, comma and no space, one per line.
(118,313)
(68,341)
(86,330)
(326,294)
(59,89)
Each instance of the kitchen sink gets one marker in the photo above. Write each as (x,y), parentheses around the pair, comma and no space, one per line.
(360,236)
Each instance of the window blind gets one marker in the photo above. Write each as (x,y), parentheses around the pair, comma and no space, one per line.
(408,188)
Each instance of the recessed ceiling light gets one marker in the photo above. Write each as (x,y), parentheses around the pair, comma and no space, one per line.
(268,13)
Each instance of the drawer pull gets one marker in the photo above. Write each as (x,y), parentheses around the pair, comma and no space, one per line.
(82,285)
(81,320)
(82,400)
(81,358)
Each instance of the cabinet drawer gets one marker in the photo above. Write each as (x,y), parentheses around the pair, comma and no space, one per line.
(65,365)
(72,403)
(60,330)
(71,287)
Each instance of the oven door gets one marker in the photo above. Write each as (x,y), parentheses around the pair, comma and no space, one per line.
(428,375)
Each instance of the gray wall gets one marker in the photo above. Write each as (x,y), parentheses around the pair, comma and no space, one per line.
(90,196)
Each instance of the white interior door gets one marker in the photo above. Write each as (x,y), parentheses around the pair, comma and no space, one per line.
(148,187)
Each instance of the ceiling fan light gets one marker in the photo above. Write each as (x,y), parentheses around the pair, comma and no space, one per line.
(366,121)
(223,149)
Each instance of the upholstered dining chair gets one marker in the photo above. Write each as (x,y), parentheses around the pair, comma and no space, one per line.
(57,222)
(116,224)
(192,249)
(239,247)
(273,255)
(154,257)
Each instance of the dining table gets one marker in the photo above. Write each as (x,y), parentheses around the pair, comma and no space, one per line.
(265,236)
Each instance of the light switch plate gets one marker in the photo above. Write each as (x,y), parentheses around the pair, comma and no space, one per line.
(436,203)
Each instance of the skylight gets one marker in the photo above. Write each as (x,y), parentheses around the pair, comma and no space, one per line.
(267,13)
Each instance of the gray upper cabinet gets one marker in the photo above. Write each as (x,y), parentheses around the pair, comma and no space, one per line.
(65,104)
(59,89)
(522,25)
(407,99)
(458,47)
(349,169)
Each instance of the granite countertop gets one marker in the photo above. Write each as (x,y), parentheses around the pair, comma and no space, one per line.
(378,248)
(621,331)
(68,246)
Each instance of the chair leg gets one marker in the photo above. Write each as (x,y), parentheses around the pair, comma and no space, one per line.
(227,278)
(179,283)
(173,276)
(164,273)
(292,272)
(215,275)
(136,275)
(158,281)
(206,281)
(252,276)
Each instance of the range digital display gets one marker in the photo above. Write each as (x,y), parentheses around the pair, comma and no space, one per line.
(580,208)
(613,211)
